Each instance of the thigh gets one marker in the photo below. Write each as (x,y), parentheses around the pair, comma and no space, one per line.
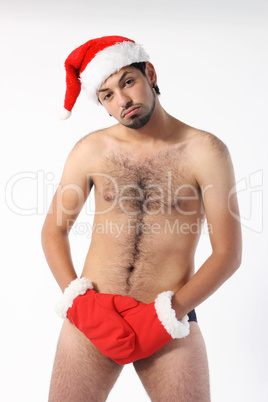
(80,373)
(178,371)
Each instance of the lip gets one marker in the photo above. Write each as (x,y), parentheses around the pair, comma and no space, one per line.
(128,113)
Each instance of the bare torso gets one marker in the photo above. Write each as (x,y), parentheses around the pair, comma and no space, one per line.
(148,216)
(150,184)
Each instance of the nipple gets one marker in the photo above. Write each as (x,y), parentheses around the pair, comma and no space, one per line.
(172,203)
(108,196)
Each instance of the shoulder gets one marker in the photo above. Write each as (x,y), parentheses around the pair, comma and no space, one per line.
(204,144)
(93,144)
(207,155)
(210,158)
(85,153)
(91,141)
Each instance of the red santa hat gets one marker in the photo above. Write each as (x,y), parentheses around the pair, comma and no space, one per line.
(93,62)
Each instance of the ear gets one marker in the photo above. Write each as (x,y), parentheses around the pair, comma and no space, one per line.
(150,73)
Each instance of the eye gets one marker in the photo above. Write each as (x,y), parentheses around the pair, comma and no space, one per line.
(107,97)
(129,81)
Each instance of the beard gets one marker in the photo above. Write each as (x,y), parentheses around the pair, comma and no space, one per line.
(139,122)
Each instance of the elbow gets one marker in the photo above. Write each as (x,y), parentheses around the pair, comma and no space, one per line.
(47,233)
(50,233)
(231,263)
(236,261)
(230,259)
(237,255)
(44,236)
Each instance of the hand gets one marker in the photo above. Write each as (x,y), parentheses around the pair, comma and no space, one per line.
(119,326)
(154,324)
(96,316)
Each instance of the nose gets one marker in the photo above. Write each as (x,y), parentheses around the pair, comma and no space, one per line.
(122,99)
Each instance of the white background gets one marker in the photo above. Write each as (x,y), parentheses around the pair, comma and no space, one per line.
(211,59)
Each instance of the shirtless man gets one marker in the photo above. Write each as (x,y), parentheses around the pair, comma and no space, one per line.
(155,180)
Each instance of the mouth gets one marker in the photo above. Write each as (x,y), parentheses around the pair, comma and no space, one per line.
(130,112)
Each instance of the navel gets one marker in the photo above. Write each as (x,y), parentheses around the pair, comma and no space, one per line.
(131,268)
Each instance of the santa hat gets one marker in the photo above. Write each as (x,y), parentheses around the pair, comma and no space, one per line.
(93,62)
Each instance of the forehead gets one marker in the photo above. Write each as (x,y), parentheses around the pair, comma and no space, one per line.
(114,78)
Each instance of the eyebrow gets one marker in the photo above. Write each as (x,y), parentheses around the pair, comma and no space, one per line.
(121,79)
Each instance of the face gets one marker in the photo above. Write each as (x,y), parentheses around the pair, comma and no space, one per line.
(129,97)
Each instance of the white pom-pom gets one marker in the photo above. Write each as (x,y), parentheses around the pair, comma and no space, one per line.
(64,114)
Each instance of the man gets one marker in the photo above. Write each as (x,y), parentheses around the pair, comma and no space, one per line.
(155,179)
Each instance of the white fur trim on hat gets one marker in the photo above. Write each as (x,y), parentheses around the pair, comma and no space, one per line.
(76,288)
(109,61)
(167,316)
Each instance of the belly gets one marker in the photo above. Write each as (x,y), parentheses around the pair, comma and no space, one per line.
(141,259)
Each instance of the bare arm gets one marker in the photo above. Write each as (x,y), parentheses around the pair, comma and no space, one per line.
(215,176)
(68,201)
